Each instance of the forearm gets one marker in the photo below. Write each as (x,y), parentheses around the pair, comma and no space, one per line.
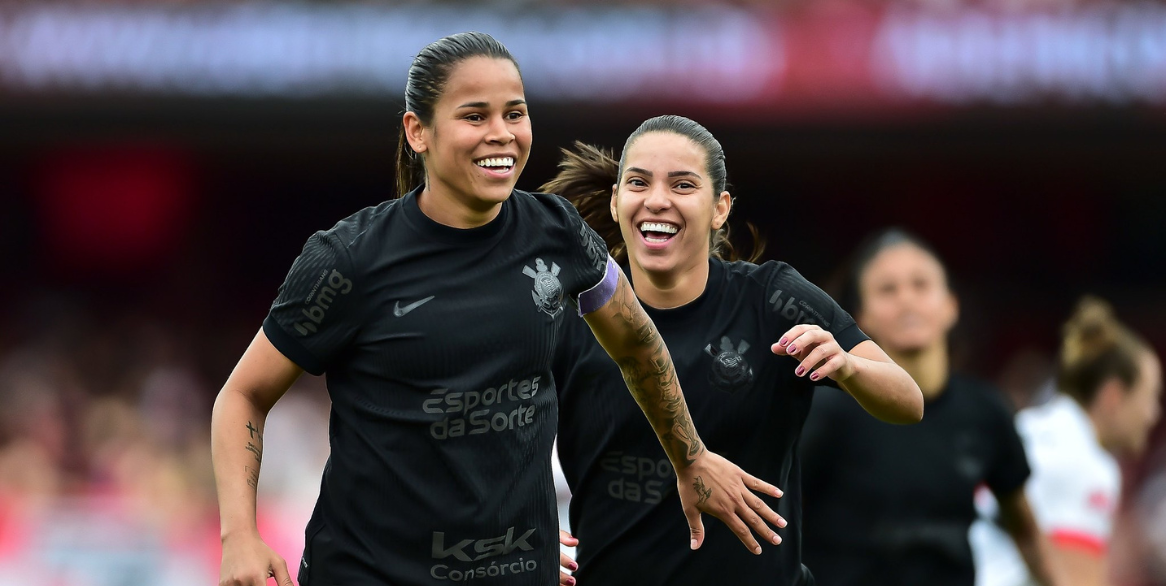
(1034,550)
(1017,518)
(237,453)
(884,390)
(631,339)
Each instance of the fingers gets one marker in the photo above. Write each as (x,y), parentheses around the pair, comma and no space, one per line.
(567,563)
(832,365)
(758,485)
(796,339)
(695,527)
(279,570)
(737,526)
(766,513)
(567,539)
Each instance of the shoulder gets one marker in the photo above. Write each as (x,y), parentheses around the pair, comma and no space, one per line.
(350,234)
(543,203)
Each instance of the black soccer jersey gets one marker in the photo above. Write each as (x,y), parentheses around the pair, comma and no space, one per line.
(437,345)
(890,505)
(746,403)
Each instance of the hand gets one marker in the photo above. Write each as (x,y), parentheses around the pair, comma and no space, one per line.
(247,561)
(565,560)
(718,487)
(817,351)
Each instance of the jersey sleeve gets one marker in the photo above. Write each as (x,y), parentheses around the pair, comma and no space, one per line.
(593,275)
(1008,468)
(1075,509)
(792,300)
(314,316)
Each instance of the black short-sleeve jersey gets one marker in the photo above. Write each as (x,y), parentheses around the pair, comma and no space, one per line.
(437,345)
(746,403)
(891,505)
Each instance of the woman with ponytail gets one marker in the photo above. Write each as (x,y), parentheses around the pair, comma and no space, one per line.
(750,341)
(1109,381)
(434,317)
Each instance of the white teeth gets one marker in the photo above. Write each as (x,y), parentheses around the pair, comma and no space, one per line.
(658,227)
(496,162)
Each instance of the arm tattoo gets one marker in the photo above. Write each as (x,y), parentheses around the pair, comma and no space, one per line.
(702,492)
(256,449)
(651,378)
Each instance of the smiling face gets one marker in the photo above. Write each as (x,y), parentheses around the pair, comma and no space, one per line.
(665,205)
(906,305)
(479,139)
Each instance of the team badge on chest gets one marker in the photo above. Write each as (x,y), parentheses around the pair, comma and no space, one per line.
(548,292)
(730,371)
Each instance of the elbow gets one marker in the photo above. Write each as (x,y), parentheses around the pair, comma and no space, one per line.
(910,411)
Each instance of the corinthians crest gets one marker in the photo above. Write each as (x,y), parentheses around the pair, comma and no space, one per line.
(730,371)
(548,292)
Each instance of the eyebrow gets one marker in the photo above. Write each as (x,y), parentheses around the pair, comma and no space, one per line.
(509,104)
(670,173)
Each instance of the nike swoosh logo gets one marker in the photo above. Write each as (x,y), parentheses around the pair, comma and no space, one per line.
(401,311)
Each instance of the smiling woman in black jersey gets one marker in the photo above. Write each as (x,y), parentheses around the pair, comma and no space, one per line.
(748,340)
(434,317)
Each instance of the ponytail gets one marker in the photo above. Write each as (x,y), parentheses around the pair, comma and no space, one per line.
(586,176)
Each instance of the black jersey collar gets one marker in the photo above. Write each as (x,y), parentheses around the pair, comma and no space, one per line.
(716,273)
(425,225)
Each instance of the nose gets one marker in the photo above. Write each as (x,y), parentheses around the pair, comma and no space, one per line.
(498,132)
(657,199)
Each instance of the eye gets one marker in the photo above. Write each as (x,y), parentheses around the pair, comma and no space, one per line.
(515,115)
(474,117)
(636,182)
(685,185)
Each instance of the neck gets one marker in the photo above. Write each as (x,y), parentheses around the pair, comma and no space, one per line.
(1096,421)
(441,206)
(669,289)
(928,367)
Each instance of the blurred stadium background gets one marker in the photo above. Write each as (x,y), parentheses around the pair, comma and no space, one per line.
(163,161)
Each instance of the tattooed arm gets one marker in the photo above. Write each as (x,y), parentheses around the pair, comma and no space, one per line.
(706,481)
(262,376)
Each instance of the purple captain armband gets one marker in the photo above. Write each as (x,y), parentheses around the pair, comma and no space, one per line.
(601,293)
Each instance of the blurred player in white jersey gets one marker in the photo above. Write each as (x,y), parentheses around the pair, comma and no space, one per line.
(1109,381)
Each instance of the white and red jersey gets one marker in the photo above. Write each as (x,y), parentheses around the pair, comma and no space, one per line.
(1073,491)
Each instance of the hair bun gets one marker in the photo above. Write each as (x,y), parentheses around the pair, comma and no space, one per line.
(1090,331)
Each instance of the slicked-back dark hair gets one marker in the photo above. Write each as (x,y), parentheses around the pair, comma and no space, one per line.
(587,173)
(428,76)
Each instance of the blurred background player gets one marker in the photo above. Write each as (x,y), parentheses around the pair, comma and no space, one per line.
(663,209)
(889,505)
(1109,381)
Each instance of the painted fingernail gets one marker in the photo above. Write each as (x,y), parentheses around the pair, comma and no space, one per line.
(692,544)
(775,539)
(571,581)
(574,566)
(799,370)
(778,540)
(781,342)
(780,523)
(815,376)
(792,349)
(778,493)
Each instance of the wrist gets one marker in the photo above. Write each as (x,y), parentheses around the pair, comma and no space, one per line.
(237,533)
